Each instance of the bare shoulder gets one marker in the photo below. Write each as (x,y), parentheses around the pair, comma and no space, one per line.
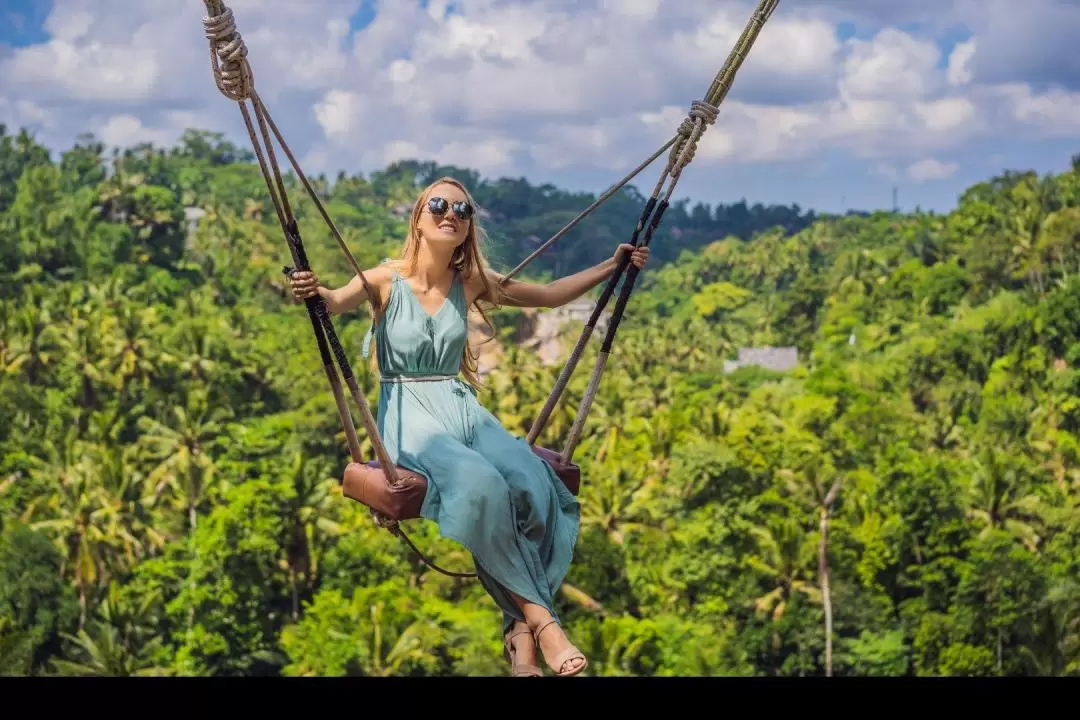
(483,287)
(380,277)
(382,273)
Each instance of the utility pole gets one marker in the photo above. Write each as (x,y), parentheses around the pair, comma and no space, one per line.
(895,204)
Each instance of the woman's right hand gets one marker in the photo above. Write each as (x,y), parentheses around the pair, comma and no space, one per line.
(304,284)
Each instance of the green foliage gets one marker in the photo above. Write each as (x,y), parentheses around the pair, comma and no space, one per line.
(36,605)
(169,451)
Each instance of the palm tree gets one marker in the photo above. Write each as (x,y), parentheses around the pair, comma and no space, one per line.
(183,463)
(823,570)
(413,645)
(180,450)
(83,342)
(999,499)
(119,642)
(34,347)
(311,524)
(78,515)
(616,488)
(779,559)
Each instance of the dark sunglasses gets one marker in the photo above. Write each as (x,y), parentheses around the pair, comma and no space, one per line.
(438,206)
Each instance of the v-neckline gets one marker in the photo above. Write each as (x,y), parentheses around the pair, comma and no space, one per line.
(445,302)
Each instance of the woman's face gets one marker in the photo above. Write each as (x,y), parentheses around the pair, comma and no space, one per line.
(439,224)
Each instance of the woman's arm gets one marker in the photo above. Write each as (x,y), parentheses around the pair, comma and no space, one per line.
(345,298)
(569,288)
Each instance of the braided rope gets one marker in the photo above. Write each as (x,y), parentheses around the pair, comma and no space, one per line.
(702,114)
(235,80)
(228,54)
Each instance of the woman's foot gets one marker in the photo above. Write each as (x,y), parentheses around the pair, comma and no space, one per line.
(561,656)
(521,651)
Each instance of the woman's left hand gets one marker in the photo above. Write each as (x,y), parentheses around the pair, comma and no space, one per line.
(638,257)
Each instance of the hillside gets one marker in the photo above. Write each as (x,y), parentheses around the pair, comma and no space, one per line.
(169,450)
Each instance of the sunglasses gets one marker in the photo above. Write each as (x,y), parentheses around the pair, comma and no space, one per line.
(438,206)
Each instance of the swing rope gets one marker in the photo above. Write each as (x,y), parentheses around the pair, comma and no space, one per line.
(703,113)
(236,81)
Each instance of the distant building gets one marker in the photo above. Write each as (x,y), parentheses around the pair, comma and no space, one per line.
(778,359)
(192,216)
(579,310)
(549,325)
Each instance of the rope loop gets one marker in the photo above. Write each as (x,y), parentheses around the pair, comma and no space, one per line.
(384,521)
(228,56)
(702,114)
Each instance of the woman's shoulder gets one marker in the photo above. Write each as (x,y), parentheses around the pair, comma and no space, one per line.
(384,272)
(380,278)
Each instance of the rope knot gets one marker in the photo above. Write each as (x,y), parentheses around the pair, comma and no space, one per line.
(702,114)
(384,521)
(228,56)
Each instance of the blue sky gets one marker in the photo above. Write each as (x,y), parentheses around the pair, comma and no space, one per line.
(23,22)
(839,102)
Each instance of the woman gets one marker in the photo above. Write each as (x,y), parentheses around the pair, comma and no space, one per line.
(486,488)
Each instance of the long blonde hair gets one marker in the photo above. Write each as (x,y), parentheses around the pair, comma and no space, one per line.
(468,259)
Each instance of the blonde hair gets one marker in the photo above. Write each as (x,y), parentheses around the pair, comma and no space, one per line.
(468,259)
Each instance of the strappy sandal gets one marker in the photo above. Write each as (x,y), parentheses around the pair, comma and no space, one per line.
(570,653)
(510,653)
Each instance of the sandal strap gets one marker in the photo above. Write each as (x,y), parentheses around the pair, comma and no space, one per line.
(527,671)
(536,633)
(520,670)
(511,636)
(566,656)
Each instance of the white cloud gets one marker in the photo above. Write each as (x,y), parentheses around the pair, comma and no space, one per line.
(931,169)
(894,65)
(24,113)
(946,114)
(496,84)
(95,72)
(126,130)
(339,112)
(1054,113)
(959,72)
(69,27)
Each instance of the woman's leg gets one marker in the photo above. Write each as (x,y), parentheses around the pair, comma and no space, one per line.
(553,640)
(546,517)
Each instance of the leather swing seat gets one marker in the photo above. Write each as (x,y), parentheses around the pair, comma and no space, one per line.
(367,484)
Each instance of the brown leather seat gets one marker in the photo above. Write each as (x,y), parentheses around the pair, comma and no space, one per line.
(366,483)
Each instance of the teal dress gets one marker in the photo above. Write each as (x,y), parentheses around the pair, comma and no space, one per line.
(487,490)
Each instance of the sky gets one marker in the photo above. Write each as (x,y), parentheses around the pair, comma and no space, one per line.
(838,103)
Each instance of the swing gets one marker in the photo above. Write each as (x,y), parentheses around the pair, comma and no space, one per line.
(394,494)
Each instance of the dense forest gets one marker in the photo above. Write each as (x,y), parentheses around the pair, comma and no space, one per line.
(903,502)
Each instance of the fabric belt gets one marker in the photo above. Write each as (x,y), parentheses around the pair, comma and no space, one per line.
(416,378)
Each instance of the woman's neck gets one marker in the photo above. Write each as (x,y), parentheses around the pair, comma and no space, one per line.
(431,270)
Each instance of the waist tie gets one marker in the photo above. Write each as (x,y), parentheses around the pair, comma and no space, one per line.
(416,378)
(402,379)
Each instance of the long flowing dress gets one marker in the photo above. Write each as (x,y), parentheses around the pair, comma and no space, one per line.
(487,490)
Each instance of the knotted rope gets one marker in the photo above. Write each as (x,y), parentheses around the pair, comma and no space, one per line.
(236,81)
(228,53)
(702,115)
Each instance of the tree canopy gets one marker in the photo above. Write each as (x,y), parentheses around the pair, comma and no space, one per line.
(902,502)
